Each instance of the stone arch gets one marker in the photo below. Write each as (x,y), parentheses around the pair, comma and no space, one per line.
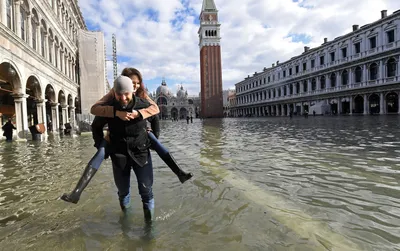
(322,82)
(174,113)
(374,103)
(373,71)
(10,73)
(77,105)
(313,84)
(358,104)
(332,79)
(392,102)
(34,90)
(358,72)
(61,98)
(391,67)
(345,77)
(162,101)
(182,113)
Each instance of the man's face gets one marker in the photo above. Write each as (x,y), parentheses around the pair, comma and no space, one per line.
(123,98)
(136,83)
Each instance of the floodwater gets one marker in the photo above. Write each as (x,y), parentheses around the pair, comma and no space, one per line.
(322,183)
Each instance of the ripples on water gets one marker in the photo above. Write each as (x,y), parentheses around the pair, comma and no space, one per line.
(323,183)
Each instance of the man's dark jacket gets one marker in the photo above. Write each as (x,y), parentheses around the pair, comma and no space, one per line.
(126,137)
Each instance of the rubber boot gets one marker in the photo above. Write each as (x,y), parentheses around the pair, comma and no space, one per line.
(87,175)
(170,161)
(148,211)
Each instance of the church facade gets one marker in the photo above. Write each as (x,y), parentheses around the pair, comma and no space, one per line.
(177,106)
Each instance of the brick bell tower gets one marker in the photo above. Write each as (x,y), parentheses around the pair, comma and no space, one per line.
(210,62)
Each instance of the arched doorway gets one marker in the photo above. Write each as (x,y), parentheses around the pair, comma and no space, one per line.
(51,113)
(174,113)
(334,106)
(374,103)
(163,112)
(34,91)
(70,108)
(392,102)
(183,113)
(10,89)
(358,104)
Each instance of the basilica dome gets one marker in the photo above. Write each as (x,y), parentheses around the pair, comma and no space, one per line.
(163,89)
(181,93)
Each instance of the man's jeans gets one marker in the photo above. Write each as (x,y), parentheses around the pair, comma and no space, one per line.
(122,165)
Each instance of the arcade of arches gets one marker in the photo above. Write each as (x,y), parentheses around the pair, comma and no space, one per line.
(371,103)
(28,103)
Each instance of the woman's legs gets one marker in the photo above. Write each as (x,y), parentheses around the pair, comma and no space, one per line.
(88,173)
(168,159)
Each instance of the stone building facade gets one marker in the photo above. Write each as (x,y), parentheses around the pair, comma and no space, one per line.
(38,62)
(175,106)
(357,73)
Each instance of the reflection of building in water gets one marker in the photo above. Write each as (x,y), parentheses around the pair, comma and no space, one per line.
(178,106)
(357,73)
(38,62)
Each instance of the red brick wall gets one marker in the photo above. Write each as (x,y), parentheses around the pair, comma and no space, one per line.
(211,93)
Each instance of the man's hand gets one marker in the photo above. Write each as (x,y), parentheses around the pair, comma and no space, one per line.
(135,114)
(125,116)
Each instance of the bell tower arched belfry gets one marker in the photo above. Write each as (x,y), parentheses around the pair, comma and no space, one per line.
(210,62)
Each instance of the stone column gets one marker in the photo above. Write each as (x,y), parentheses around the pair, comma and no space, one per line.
(365,74)
(351,105)
(46,43)
(64,110)
(41,113)
(17,23)
(338,78)
(339,105)
(366,110)
(308,85)
(381,104)
(72,118)
(29,30)
(295,88)
(61,60)
(38,39)
(283,110)
(4,12)
(318,81)
(302,108)
(73,71)
(381,69)
(21,115)
(54,117)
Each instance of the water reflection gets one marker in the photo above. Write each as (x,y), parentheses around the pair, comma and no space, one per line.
(260,184)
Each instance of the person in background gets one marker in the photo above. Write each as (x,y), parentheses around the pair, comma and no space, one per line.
(8,128)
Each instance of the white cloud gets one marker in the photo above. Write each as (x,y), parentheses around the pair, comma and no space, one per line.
(254,33)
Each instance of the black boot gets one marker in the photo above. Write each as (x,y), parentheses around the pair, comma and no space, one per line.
(170,161)
(87,175)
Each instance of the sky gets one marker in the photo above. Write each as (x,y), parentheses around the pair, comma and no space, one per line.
(159,37)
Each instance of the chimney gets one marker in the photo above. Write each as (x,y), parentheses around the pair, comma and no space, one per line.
(355,27)
(383,13)
(325,40)
(306,48)
(273,65)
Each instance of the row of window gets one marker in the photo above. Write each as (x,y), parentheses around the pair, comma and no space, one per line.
(321,60)
(40,37)
(301,87)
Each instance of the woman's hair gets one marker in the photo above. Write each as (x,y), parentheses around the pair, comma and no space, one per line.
(129,72)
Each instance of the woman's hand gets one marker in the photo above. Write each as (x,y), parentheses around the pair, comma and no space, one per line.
(125,116)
